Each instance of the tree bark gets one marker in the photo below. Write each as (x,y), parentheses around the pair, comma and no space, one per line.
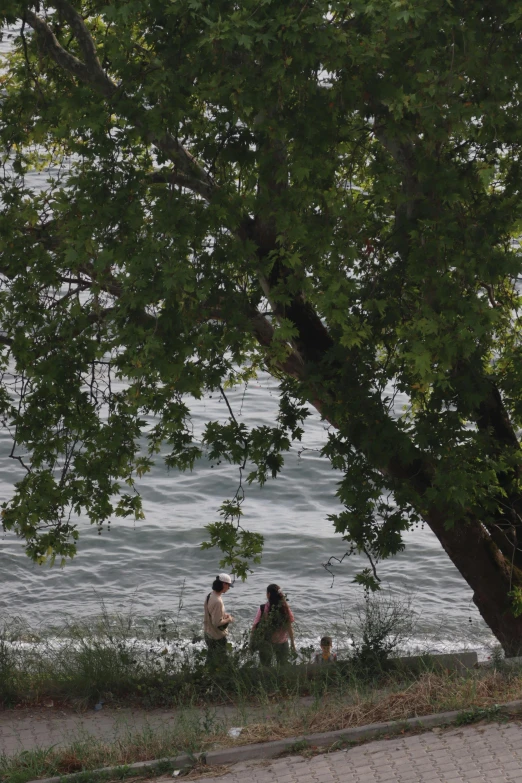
(486,558)
(472,550)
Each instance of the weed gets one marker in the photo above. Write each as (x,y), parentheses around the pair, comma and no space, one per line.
(497,656)
(475,714)
(8,675)
(476,694)
(118,659)
(379,628)
(89,753)
(297,747)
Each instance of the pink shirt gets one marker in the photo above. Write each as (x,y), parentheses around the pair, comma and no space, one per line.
(281,635)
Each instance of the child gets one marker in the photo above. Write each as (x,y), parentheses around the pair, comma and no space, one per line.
(326,655)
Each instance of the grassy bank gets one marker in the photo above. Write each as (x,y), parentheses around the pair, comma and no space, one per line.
(84,668)
(121,660)
(475,694)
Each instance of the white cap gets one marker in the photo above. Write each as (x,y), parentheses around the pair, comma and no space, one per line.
(226,578)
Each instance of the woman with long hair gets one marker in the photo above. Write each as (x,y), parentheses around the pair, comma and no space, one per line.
(273,627)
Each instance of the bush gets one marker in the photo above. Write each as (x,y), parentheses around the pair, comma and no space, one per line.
(8,675)
(380,628)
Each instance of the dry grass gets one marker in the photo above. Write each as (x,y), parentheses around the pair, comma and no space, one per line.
(428,693)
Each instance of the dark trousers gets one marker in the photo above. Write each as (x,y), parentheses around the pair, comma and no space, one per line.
(281,651)
(216,650)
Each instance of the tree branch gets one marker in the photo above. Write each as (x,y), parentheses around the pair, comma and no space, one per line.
(264,333)
(91,72)
(85,73)
(173,177)
(81,33)
(108,283)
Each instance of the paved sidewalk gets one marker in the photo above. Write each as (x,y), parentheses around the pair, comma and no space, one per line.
(489,753)
(474,754)
(26,729)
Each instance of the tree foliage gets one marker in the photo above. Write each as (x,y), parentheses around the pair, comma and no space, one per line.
(329,191)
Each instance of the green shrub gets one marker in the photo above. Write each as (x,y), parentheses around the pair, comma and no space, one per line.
(8,675)
(380,628)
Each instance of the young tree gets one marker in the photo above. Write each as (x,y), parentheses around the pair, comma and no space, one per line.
(330,191)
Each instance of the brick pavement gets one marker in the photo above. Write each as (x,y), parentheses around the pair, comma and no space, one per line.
(490,753)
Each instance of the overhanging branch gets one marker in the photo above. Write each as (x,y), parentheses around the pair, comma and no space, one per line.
(91,72)
(86,73)
(264,333)
(173,177)
(81,33)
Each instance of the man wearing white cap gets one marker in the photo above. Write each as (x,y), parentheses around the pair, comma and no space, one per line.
(216,620)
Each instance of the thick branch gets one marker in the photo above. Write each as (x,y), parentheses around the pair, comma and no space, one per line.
(173,177)
(81,33)
(264,333)
(492,415)
(91,72)
(85,73)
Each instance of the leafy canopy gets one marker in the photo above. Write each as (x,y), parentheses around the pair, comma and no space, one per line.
(325,190)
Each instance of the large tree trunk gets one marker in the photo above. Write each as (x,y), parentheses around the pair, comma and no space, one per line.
(487,557)
(489,574)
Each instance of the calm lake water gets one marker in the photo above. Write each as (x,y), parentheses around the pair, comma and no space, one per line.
(146,567)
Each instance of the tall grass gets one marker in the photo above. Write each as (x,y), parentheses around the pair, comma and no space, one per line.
(116,658)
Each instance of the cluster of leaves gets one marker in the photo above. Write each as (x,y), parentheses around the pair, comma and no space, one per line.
(326,190)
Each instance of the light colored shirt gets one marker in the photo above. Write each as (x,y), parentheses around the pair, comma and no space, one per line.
(214,616)
(281,634)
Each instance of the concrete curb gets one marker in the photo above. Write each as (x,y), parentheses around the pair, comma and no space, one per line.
(178,762)
(270,750)
(459,662)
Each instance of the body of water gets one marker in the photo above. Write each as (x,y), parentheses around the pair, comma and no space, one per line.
(150,564)
(146,567)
